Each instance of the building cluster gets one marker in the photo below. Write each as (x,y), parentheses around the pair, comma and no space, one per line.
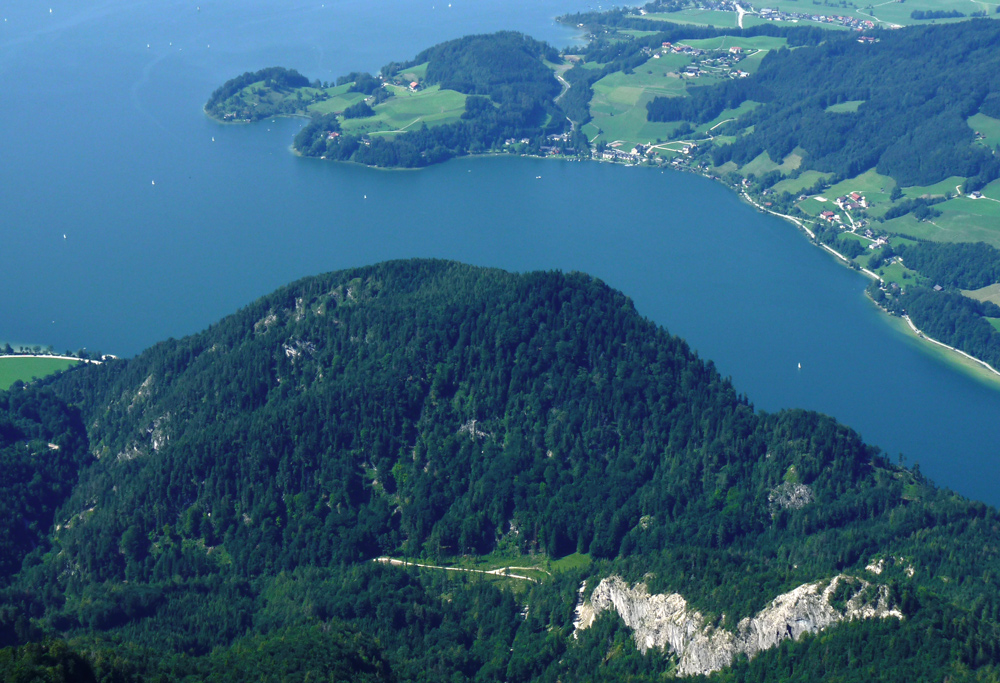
(852,202)
(773,14)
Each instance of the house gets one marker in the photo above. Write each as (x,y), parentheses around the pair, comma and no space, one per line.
(333,136)
(735,50)
(414,85)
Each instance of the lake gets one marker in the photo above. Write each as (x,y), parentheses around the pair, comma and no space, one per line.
(104,141)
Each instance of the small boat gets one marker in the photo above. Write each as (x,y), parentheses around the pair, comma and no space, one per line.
(800,366)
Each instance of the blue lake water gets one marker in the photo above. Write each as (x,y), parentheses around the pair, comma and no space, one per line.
(102,139)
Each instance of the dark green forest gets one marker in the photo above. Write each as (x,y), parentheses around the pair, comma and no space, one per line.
(961,265)
(918,87)
(225,100)
(214,505)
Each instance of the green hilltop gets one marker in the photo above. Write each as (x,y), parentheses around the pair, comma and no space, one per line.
(212,508)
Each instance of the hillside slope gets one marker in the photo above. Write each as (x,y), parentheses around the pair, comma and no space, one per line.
(235,484)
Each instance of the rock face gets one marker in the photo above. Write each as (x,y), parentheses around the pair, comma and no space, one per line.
(667,623)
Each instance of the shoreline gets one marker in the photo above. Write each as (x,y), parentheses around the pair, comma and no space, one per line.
(978,368)
(963,360)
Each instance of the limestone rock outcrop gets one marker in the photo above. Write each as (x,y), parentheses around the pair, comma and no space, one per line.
(666,622)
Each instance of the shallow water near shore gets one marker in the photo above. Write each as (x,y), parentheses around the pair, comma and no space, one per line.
(104,141)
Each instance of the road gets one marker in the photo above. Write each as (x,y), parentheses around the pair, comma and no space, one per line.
(502,571)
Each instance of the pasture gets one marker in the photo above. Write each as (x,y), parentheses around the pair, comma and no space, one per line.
(26,368)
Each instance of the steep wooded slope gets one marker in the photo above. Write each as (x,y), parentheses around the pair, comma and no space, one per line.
(239,480)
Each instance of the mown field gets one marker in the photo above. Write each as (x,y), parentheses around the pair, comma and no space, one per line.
(432,106)
(14,368)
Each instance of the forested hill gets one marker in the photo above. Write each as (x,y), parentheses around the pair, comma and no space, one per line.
(916,87)
(223,494)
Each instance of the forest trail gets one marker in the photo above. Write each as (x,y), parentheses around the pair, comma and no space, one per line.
(502,571)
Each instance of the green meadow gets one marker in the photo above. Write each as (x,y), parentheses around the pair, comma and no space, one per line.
(340,99)
(845,107)
(14,368)
(805,180)
(701,17)
(432,106)
(988,126)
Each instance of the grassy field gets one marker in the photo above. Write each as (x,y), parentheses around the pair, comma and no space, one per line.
(414,73)
(13,368)
(763,164)
(951,226)
(432,106)
(726,42)
(726,115)
(702,17)
(618,108)
(845,107)
(962,218)
(874,187)
(895,273)
(805,180)
(945,187)
(988,126)
(339,100)
(988,293)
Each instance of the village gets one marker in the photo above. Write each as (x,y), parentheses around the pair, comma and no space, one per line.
(775,14)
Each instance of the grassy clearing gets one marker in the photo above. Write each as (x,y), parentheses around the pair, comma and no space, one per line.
(872,185)
(574,561)
(813,207)
(897,273)
(14,368)
(414,73)
(805,180)
(988,293)
(845,107)
(951,226)
(988,126)
(727,114)
(726,42)
(619,104)
(337,104)
(992,190)
(995,322)
(763,164)
(943,188)
(432,106)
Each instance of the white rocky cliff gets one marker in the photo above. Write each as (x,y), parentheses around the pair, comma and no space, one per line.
(667,623)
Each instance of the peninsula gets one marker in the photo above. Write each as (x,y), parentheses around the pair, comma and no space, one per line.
(879,140)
